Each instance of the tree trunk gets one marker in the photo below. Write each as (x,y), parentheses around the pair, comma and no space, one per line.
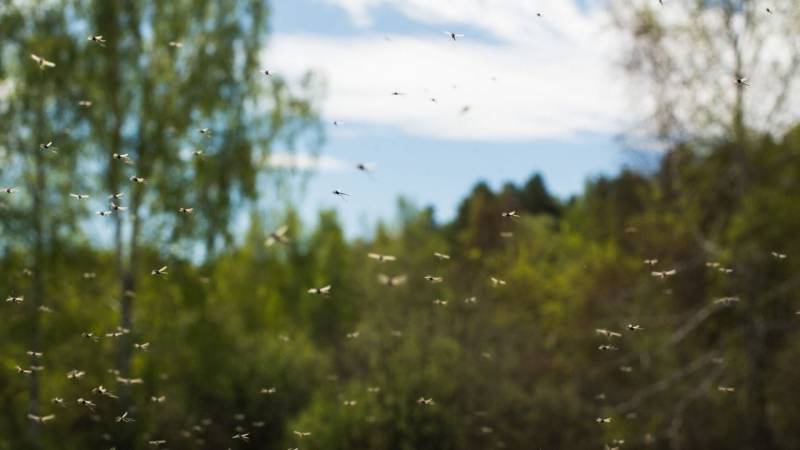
(37,291)
(759,433)
(38,283)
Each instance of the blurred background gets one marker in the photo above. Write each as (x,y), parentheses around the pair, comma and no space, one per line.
(178,272)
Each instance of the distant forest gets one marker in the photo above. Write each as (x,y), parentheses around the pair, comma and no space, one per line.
(657,309)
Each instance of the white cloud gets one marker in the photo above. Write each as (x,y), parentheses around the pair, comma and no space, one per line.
(555,75)
(550,76)
(307,162)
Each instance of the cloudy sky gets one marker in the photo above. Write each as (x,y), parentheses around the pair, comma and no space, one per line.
(531,87)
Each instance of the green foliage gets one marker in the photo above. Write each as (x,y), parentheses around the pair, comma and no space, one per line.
(517,367)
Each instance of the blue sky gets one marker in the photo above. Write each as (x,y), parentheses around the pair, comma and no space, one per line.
(542,93)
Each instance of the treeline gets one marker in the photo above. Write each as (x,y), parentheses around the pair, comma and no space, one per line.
(654,310)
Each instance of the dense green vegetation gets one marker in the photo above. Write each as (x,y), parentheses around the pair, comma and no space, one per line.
(520,367)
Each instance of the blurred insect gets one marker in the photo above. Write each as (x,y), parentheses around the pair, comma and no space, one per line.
(136,179)
(325,290)
(244,437)
(278,235)
(43,63)
(75,374)
(79,196)
(268,391)
(663,275)
(441,256)
(433,279)
(497,282)
(9,190)
(91,336)
(340,194)
(607,333)
(394,281)
(726,389)
(606,347)
(603,420)
(187,211)
(15,299)
(634,327)
(87,403)
(122,157)
(425,401)
(98,39)
(301,434)
(381,258)
(41,419)
(454,36)
(175,44)
(159,271)
(143,346)
(100,390)
(124,418)
(365,167)
(511,214)
(48,146)
(777,255)
(115,334)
